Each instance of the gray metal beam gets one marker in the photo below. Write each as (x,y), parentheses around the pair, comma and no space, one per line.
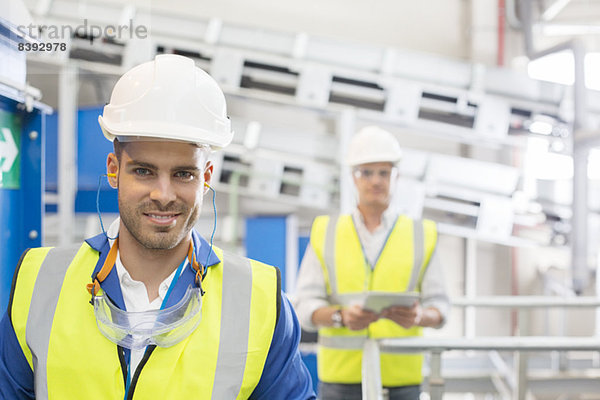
(67,153)
(500,343)
(579,222)
(526,301)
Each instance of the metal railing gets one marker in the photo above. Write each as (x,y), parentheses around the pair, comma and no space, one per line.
(372,389)
(436,346)
(526,301)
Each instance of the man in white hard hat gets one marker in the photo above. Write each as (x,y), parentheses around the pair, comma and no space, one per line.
(149,309)
(371,250)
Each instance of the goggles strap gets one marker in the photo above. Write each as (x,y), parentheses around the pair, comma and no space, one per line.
(94,287)
(111,258)
(197,267)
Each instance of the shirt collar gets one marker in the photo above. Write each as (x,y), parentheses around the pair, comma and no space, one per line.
(111,285)
(132,289)
(388,217)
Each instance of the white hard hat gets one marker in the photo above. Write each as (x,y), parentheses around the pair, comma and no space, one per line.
(168,98)
(373,144)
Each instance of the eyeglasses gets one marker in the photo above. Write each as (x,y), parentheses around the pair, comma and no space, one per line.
(368,173)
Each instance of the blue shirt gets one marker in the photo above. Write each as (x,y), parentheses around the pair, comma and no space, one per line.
(284,375)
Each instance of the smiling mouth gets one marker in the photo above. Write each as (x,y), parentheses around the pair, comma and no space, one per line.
(162,219)
(157,216)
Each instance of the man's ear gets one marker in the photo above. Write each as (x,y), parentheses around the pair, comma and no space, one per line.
(208,171)
(112,170)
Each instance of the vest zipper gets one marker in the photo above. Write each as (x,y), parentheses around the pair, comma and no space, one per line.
(370,269)
(121,353)
(138,370)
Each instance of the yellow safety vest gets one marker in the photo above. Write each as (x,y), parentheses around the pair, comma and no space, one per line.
(222,359)
(399,268)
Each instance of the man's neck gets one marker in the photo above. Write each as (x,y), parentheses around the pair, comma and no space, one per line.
(149,266)
(371,216)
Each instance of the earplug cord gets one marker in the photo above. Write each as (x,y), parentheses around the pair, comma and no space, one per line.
(212,236)
(98,204)
(214,225)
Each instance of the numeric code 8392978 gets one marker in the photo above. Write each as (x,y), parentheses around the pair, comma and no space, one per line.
(50,46)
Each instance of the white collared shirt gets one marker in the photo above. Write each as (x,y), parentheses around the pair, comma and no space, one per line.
(135,294)
(373,242)
(311,291)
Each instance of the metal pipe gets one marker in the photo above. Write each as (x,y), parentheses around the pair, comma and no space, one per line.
(547,15)
(525,12)
(554,9)
(67,153)
(371,372)
(499,343)
(511,15)
(579,222)
(597,321)
(521,371)
(470,286)
(526,301)
(346,126)
(485,343)
(234,201)
(436,381)
(291,252)
(503,369)
(500,30)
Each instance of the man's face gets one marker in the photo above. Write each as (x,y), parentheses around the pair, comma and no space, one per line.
(373,182)
(161,185)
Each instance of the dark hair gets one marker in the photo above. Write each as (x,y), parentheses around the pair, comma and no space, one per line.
(118,146)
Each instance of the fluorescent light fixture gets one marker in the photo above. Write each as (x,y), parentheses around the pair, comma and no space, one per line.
(545,165)
(252,136)
(540,127)
(560,68)
(556,67)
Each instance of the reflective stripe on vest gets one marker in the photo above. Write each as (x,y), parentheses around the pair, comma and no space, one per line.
(237,282)
(418,255)
(329,254)
(243,340)
(41,311)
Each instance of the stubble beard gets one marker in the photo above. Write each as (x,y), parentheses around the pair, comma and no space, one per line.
(159,238)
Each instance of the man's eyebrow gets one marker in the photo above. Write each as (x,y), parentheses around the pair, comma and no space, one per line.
(148,165)
(141,164)
(186,167)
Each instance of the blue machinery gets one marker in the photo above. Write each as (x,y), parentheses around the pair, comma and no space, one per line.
(21,180)
(92,149)
(22,135)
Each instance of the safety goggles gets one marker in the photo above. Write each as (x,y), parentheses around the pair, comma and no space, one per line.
(136,330)
(367,173)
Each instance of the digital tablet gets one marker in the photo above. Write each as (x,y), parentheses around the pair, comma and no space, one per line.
(378,301)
